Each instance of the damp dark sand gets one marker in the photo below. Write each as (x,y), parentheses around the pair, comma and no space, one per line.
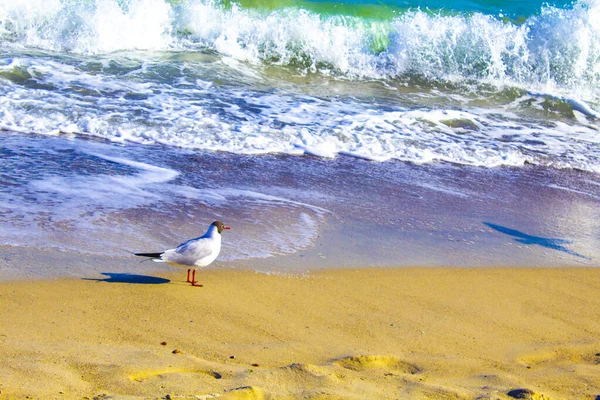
(90,199)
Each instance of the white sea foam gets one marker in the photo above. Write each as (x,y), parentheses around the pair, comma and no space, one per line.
(593,196)
(231,104)
(557,50)
(88,27)
(293,124)
(136,204)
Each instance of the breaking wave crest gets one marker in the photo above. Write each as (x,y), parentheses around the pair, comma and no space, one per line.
(556,48)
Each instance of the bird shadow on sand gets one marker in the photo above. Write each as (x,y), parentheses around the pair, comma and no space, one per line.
(550,243)
(115,277)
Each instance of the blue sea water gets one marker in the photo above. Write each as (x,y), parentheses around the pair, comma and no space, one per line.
(499,8)
(107,108)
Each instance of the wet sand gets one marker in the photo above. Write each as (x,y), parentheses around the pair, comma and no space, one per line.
(287,213)
(371,333)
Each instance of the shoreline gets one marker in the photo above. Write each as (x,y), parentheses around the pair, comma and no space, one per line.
(404,332)
(289,212)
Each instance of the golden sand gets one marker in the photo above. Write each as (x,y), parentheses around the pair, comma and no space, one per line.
(411,333)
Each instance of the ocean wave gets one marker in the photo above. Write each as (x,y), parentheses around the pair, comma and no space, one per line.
(558,48)
(421,87)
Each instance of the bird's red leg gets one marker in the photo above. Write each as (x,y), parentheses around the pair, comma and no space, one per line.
(188,278)
(194,279)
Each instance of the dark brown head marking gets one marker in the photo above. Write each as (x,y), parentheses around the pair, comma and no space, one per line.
(220,226)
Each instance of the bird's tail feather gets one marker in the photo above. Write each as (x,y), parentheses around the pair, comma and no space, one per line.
(151,255)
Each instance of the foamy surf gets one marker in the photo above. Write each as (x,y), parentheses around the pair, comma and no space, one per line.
(186,112)
(555,49)
(97,203)
(415,85)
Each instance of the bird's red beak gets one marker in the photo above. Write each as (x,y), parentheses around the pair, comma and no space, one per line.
(226,227)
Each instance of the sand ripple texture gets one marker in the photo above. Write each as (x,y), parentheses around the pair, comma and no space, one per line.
(409,333)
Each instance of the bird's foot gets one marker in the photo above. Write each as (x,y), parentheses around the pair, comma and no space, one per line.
(193,281)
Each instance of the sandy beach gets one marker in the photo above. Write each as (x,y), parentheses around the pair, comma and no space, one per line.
(413,191)
(373,333)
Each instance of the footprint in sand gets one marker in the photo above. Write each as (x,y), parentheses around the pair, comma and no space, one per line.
(553,361)
(312,375)
(377,362)
(527,394)
(584,355)
(245,393)
(163,373)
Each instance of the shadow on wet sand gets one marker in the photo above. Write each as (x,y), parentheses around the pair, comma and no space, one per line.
(115,277)
(524,238)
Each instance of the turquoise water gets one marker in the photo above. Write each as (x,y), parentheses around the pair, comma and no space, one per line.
(511,9)
(515,10)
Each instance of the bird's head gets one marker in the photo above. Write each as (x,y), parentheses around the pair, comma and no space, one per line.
(220,226)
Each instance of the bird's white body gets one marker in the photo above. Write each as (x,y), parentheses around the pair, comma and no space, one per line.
(195,253)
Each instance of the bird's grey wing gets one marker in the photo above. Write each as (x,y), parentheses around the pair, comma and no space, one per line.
(189,252)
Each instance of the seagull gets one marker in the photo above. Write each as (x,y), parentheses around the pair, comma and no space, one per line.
(195,253)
